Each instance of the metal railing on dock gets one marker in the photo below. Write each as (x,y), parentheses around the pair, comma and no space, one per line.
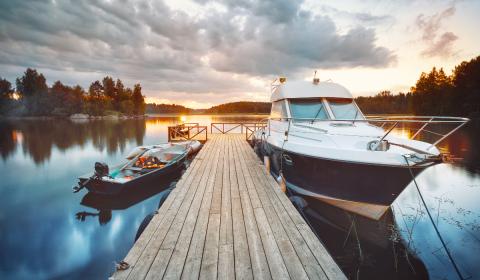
(187,131)
(226,127)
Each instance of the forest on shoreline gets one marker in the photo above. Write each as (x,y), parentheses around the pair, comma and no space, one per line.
(33,97)
(241,107)
(435,93)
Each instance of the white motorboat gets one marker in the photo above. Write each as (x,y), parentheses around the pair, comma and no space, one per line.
(323,146)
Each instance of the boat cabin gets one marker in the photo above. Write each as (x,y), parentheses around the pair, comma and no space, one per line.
(307,101)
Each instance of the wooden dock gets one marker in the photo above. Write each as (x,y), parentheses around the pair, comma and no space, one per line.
(228,219)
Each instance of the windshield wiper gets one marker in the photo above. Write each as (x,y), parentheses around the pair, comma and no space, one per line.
(355,118)
(318,112)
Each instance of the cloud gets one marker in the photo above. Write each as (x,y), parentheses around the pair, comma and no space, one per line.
(304,43)
(437,45)
(363,17)
(442,47)
(214,52)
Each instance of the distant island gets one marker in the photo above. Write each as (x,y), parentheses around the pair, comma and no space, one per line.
(435,93)
(242,107)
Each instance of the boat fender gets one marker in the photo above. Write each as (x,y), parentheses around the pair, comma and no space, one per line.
(266,162)
(164,197)
(298,202)
(144,225)
(281,183)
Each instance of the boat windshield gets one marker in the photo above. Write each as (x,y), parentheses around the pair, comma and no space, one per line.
(344,109)
(308,109)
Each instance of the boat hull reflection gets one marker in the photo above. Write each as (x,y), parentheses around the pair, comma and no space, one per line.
(131,196)
(364,248)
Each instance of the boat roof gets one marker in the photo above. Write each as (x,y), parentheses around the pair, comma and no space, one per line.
(307,89)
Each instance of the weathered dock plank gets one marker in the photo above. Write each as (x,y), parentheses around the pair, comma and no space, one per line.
(228,219)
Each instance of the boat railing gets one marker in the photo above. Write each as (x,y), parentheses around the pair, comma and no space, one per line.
(388,123)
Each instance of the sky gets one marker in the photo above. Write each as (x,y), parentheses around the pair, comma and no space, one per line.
(200,53)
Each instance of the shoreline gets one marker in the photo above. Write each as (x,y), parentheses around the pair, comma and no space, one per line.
(110,117)
(205,114)
(114,117)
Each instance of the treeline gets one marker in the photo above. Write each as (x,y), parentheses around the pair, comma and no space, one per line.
(153,108)
(227,108)
(435,93)
(33,97)
(241,107)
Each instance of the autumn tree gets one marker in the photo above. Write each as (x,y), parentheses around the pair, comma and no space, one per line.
(466,82)
(6,94)
(33,90)
(138,100)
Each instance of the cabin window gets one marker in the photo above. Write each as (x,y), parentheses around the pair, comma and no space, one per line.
(344,109)
(308,109)
(279,110)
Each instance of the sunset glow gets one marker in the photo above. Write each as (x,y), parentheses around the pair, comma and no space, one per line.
(203,53)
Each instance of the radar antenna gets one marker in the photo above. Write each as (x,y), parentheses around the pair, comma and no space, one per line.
(315,79)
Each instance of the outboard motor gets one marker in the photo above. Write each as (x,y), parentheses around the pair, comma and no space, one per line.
(101,169)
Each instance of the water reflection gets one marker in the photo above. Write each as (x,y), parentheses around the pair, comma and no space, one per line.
(38,137)
(42,238)
(104,216)
(364,248)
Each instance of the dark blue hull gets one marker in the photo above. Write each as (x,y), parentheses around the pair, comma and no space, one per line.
(374,184)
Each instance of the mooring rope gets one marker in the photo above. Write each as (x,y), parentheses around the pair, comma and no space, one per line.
(433,223)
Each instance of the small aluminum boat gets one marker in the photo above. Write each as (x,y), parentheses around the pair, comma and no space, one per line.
(146,165)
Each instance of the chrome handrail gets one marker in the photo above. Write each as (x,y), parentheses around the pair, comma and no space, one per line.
(402,119)
(425,120)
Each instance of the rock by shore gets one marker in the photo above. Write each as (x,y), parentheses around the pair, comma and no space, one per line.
(79,116)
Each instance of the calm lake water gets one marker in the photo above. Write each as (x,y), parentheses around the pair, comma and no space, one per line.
(48,232)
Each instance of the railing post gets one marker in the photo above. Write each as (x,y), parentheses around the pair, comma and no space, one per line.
(268,124)
(424,125)
(446,135)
